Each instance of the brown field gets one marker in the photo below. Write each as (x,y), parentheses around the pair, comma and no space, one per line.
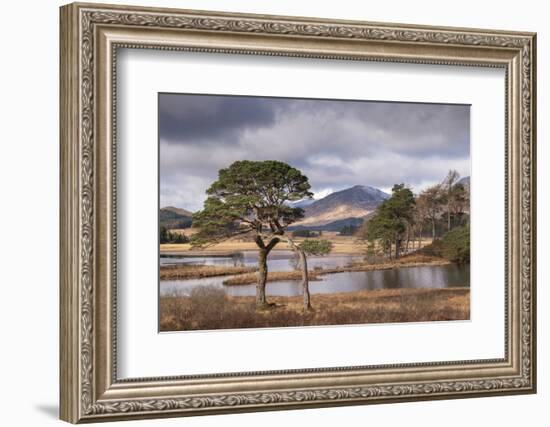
(210,308)
(341,245)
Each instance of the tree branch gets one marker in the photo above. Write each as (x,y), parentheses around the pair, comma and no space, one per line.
(259,241)
(272,243)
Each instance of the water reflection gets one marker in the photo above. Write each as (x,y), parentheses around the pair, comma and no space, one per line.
(410,277)
(277,260)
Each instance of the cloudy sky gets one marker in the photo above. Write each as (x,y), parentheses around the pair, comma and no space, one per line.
(336,144)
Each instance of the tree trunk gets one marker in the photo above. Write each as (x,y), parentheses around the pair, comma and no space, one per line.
(397,244)
(305,277)
(261,301)
(449,220)
(305,281)
(262,279)
(433,229)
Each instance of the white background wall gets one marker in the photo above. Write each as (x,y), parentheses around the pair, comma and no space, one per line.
(29,170)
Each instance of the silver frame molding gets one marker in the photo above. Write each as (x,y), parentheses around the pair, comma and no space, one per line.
(90,37)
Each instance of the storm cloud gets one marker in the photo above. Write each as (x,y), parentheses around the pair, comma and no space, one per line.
(336,143)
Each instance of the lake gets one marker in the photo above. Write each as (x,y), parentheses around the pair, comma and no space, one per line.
(276,261)
(408,277)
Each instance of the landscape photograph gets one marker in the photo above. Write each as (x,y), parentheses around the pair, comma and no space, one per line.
(294,212)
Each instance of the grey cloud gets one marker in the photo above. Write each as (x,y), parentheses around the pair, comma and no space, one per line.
(196,118)
(335,143)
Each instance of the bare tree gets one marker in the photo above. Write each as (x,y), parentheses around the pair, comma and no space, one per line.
(460,201)
(420,216)
(432,200)
(318,247)
(448,192)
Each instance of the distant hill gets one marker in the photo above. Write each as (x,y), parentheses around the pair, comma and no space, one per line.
(331,226)
(464,181)
(171,217)
(342,207)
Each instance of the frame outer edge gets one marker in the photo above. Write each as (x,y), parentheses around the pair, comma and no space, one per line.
(533,112)
(69,354)
(77,343)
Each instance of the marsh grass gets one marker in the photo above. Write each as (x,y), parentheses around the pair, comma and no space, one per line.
(209,308)
(183,271)
(251,278)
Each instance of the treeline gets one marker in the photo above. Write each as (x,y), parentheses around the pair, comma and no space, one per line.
(304,232)
(166,236)
(348,230)
(403,219)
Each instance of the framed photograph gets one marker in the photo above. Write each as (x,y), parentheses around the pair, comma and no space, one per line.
(265,212)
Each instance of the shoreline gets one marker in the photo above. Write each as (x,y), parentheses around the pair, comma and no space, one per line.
(247,275)
(184,253)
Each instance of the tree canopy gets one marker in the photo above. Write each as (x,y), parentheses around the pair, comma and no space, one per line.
(316,246)
(251,196)
(456,244)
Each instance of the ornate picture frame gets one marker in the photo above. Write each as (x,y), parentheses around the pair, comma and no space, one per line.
(90,37)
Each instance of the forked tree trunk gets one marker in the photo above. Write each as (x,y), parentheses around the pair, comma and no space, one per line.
(261,300)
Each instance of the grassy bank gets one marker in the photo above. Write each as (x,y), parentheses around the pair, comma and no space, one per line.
(183,272)
(408,261)
(273,276)
(210,308)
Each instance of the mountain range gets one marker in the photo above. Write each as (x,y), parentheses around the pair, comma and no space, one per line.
(345,207)
(331,213)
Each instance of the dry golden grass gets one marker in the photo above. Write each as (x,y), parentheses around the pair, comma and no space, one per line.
(173,272)
(416,257)
(340,245)
(210,308)
(250,278)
